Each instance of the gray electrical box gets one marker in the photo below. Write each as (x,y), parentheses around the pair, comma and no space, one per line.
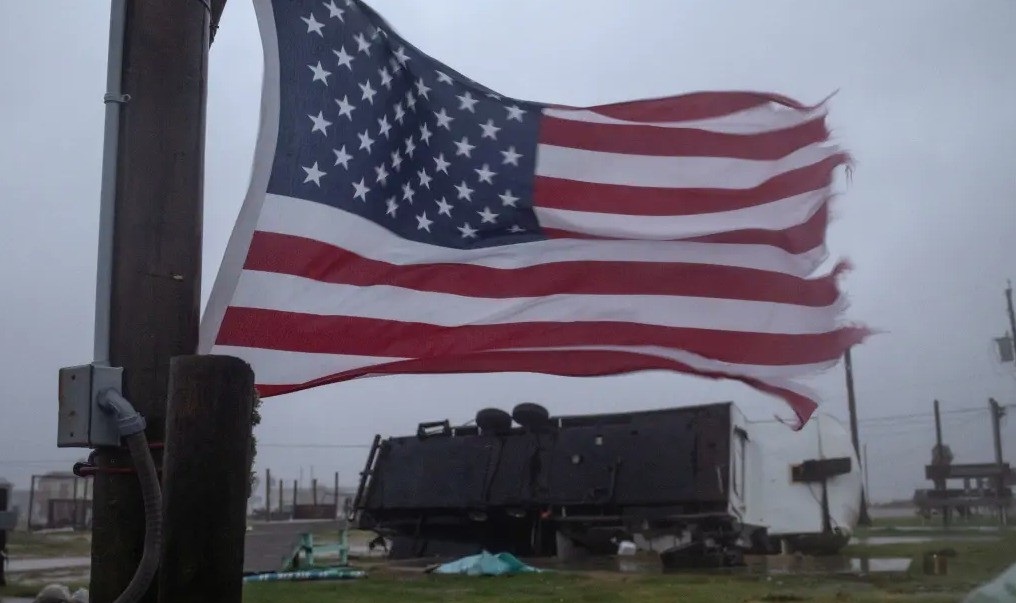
(8,520)
(80,421)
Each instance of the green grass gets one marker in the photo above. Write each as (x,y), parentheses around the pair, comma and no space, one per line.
(19,590)
(974,563)
(911,521)
(62,544)
(387,587)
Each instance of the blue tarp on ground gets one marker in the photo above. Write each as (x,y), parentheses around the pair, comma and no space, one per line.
(486,564)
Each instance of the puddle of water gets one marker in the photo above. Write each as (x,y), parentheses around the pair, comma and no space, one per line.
(835,564)
(878,540)
(939,528)
(761,565)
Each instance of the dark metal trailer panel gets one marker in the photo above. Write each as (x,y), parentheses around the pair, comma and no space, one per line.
(521,488)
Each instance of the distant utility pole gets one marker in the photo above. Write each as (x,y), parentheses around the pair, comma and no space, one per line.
(997,412)
(268,494)
(938,461)
(149,271)
(1012,320)
(863,519)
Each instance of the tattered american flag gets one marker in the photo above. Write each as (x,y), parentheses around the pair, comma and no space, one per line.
(403,218)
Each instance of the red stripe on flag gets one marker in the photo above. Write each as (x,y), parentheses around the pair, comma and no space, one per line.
(297,256)
(653,140)
(579,363)
(272,329)
(649,201)
(697,105)
(798,239)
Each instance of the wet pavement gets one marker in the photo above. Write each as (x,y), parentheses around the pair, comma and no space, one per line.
(15,566)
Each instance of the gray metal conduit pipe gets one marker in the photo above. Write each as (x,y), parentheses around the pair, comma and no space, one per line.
(130,423)
(132,428)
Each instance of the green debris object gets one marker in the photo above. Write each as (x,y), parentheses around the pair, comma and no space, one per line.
(486,564)
(334,573)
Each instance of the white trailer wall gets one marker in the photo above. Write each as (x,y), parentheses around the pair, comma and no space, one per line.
(785,507)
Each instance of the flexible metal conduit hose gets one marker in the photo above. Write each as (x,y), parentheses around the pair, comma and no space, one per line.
(132,428)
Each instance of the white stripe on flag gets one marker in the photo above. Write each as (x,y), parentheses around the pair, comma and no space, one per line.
(339,228)
(778,215)
(287,293)
(721,173)
(757,120)
(281,367)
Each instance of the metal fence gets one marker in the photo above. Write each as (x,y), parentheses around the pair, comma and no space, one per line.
(59,500)
(896,450)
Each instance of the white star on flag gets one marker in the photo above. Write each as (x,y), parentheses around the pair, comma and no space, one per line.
(320,123)
(361,190)
(464,148)
(444,207)
(423,223)
(464,191)
(345,107)
(466,102)
(442,164)
(313,25)
(334,11)
(487,216)
(485,174)
(344,58)
(508,199)
(511,157)
(313,174)
(342,157)
(489,130)
(320,74)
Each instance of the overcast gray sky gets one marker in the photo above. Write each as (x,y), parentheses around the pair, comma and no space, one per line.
(925,105)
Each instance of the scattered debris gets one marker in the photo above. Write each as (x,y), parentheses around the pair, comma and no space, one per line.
(58,593)
(332,573)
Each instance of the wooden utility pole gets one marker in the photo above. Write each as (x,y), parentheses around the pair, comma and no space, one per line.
(268,494)
(937,461)
(863,518)
(282,503)
(155,285)
(3,537)
(207,477)
(1012,319)
(997,412)
(335,495)
(31,503)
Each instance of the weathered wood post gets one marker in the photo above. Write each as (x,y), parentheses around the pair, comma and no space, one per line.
(206,472)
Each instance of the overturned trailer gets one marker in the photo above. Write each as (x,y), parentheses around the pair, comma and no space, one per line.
(691,484)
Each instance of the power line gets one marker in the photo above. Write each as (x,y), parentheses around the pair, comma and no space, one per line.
(925,415)
(305,445)
(37,462)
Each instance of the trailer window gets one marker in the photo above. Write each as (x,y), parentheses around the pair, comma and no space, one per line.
(737,467)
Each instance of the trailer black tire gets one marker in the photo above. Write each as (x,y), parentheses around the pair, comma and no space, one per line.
(530,415)
(494,420)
